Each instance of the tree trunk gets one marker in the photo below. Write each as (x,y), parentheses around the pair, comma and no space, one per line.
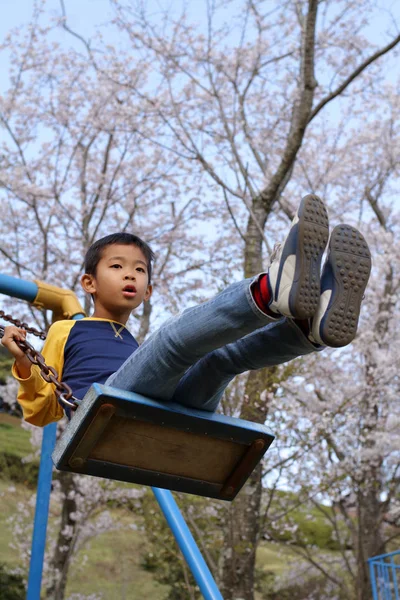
(62,554)
(244,516)
(370,541)
(144,322)
(242,527)
(370,506)
(240,541)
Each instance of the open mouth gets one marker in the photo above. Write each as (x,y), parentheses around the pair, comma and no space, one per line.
(129,291)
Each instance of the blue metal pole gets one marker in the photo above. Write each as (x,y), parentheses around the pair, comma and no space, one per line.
(41,513)
(27,290)
(380,580)
(394,575)
(373,578)
(42,510)
(383,585)
(388,582)
(18,288)
(187,544)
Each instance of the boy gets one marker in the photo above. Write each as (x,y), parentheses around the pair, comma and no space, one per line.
(288,311)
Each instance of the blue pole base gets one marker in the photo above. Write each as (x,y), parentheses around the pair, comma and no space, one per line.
(41,512)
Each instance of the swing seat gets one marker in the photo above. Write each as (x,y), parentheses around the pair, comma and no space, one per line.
(125,436)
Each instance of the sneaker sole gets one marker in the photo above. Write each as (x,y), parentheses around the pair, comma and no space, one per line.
(312,238)
(350,259)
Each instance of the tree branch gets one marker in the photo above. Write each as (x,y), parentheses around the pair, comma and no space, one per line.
(353,76)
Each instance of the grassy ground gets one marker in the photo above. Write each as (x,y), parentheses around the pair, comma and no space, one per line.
(10,495)
(110,564)
(112,567)
(13,439)
(274,557)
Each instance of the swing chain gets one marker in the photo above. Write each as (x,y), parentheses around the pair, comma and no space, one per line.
(63,392)
(22,324)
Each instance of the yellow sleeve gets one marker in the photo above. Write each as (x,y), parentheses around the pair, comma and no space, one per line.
(35,395)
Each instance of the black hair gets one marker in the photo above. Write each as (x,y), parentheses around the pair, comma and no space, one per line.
(94,254)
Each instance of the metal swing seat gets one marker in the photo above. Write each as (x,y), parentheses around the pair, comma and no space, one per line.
(124,436)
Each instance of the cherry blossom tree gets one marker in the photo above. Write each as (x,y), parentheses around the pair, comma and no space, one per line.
(263,98)
(237,116)
(348,401)
(75,164)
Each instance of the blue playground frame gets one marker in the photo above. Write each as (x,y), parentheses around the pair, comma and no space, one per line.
(29,291)
(385,576)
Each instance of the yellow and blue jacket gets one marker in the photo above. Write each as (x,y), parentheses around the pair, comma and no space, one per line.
(82,352)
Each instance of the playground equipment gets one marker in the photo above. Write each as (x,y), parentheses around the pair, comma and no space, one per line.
(169,441)
(385,576)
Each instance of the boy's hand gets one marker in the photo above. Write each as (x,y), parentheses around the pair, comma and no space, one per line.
(11,335)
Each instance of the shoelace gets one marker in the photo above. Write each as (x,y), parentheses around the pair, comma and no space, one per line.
(275,251)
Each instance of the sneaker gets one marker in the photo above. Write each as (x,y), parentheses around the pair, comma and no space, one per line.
(294,273)
(344,278)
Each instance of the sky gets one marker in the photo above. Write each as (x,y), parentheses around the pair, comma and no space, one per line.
(85,16)
(84,13)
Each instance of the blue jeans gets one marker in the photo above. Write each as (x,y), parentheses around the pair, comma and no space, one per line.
(192,357)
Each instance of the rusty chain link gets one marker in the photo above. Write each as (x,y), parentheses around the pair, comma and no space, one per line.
(18,323)
(63,392)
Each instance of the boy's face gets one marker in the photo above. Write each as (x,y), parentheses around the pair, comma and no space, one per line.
(121,282)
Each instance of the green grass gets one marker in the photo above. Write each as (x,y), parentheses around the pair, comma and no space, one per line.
(108,564)
(113,567)
(14,439)
(274,557)
(10,495)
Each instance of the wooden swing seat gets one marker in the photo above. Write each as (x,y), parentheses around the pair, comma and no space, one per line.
(125,436)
